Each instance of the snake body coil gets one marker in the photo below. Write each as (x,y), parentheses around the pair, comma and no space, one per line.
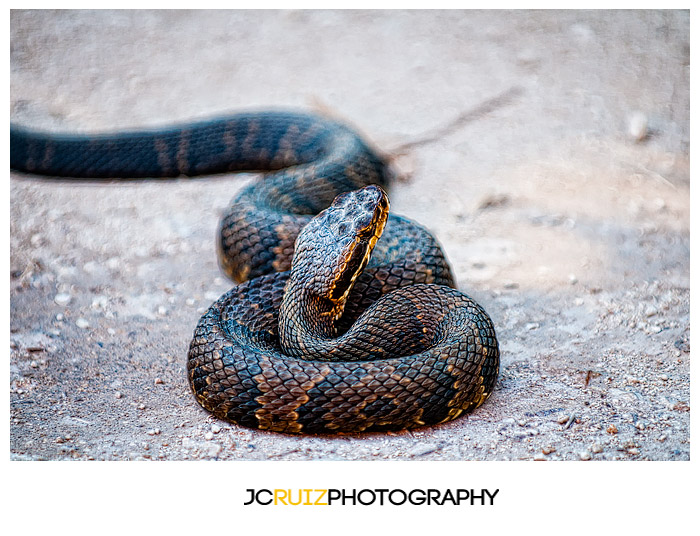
(349,332)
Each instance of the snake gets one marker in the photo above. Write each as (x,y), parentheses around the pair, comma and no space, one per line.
(345,317)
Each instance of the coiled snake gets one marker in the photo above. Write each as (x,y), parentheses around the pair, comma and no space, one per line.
(356,332)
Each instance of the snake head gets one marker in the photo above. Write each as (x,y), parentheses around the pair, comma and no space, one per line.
(335,246)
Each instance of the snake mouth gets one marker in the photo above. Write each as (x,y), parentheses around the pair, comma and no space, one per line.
(352,269)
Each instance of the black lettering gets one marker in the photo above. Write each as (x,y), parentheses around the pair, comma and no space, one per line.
(351,497)
(462,495)
(257,496)
(448,497)
(491,495)
(416,500)
(394,492)
(434,496)
(481,497)
(333,494)
(370,501)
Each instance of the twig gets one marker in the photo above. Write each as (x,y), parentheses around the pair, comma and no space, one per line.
(468,116)
(655,175)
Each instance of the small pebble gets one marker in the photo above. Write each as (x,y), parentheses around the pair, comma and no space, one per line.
(214,449)
(215,428)
(585,455)
(563,419)
(664,377)
(117,394)
(638,126)
(634,451)
(209,436)
(153,431)
(422,450)
(612,429)
(548,449)
(36,240)
(99,302)
(82,323)
(531,326)
(596,448)
(62,299)
(573,279)
(157,381)
(141,406)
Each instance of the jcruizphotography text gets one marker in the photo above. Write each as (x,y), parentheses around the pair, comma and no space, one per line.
(367,497)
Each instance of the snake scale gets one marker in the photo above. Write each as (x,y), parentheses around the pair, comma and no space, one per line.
(345,318)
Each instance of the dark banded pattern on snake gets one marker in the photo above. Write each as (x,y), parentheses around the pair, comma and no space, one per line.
(422,354)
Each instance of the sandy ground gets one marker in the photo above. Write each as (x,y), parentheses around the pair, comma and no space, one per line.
(548,151)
